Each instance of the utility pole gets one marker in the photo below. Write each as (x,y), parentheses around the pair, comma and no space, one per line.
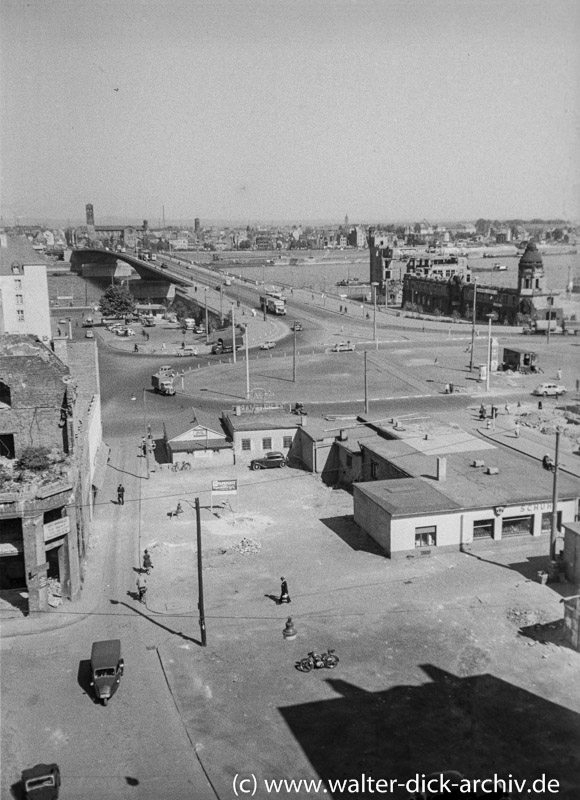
(473,326)
(366,386)
(234,334)
(247,365)
(554,526)
(206,317)
(294,355)
(549,317)
(147,438)
(200,604)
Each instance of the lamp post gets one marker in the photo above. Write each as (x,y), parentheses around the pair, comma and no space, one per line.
(473,314)
(374,285)
(206,320)
(489,318)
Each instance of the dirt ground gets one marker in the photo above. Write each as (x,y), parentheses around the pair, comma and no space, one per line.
(446,662)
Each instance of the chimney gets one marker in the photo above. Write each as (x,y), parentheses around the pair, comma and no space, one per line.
(441,469)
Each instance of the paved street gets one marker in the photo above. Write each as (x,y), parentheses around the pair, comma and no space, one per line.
(431,650)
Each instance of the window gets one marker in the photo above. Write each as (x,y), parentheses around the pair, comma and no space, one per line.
(426,537)
(374,470)
(17,283)
(547,522)
(287,441)
(20,314)
(267,443)
(246,444)
(19,299)
(483,529)
(349,461)
(517,526)
(5,396)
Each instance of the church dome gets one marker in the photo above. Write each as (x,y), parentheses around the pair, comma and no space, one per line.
(531,258)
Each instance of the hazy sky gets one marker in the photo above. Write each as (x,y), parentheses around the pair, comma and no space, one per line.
(293,110)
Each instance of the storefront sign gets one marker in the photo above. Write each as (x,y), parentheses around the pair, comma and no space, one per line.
(56,529)
(532,507)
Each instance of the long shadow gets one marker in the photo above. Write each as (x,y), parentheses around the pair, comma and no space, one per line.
(528,569)
(154,621)
(222,394)
(84,676)
(547,633)
(480,726)
(352,535)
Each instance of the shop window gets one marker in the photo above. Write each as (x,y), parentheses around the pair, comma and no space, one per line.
(483,529)
(246,444)
(518,526)
(267,443)
(5,396)
(547,521)
(287,442)
(426,537)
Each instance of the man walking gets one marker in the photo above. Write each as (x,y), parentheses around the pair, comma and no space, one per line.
(284,596)
(121,494)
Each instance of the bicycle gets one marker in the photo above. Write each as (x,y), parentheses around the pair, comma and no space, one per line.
(181,466)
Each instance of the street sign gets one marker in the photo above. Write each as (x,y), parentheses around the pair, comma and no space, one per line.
(224,487)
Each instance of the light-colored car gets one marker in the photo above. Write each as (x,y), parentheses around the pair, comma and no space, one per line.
(545,389)
(187,351)
(124,331)
(267,345)
(89,334)
(342,347)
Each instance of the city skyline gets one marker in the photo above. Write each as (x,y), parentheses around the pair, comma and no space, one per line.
(290,112)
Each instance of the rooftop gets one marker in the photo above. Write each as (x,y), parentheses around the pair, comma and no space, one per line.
(18,249)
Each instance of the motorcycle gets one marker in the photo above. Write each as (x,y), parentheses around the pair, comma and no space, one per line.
(299,409)
(327,660)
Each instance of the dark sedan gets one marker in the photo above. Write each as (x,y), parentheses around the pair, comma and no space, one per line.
(269,461)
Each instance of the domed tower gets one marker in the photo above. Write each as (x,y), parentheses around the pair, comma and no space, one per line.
(531,278)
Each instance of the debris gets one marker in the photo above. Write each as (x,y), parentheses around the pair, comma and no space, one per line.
(247,546)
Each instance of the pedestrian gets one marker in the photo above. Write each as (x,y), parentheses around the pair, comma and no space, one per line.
(517,430)
(147,336)
(284,596)
(121,494)
(58,332)
(507,408)
(436,361)
(482,411)
(136,348)
(163,346)
(559,374)
(141,588)
(147,565)
(182,345)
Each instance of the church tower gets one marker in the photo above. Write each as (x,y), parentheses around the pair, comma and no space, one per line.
(531,278)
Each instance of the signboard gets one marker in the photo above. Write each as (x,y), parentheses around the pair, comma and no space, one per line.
(56,529)
(224,487)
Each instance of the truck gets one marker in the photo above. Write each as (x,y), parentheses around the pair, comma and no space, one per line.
(162,381)
(224,342)
(541,326)
(273,304)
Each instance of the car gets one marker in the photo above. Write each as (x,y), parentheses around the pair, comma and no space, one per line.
(89,334)
(342,347)
(267,345)
(297,326)
(62,321)
(269,461)
(544,389)
(186,351)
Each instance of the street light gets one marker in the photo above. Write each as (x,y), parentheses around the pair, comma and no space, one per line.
(489,319)
(206,322)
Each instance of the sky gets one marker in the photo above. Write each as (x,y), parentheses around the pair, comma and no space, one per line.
(289,110)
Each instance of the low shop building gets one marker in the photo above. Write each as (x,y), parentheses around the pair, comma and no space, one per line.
(432,492)
(256,431)
(198,439)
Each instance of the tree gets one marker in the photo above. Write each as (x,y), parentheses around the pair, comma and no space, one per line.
(117,301)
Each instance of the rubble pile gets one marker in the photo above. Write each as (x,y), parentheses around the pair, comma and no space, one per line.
(247,547)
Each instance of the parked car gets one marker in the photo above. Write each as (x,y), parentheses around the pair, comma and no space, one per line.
(342,347)
(297,326)
(544,389)
(187,351)
(267,345)
(89,335)
(122,331)
(269,461)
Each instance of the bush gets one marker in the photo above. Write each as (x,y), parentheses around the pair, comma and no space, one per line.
(34,459)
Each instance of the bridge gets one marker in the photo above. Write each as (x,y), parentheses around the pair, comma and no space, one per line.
(104,264)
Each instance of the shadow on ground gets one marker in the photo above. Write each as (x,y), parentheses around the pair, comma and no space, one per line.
(478,725)
(352,535)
